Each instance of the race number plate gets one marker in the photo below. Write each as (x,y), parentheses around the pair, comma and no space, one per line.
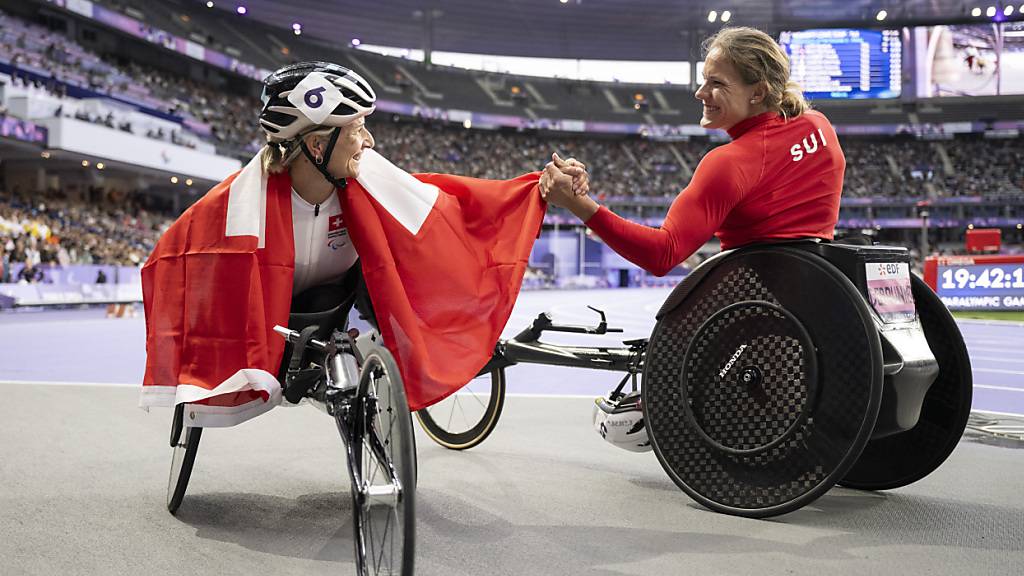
(889,291)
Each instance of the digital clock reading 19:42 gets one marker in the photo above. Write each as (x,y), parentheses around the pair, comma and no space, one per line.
(982,278)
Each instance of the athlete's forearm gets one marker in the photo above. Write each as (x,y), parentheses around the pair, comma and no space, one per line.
(652,249)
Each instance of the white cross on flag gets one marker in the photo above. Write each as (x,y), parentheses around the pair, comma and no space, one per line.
(443,257)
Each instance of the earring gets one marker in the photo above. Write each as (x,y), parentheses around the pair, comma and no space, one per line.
(753,101)
(319,160)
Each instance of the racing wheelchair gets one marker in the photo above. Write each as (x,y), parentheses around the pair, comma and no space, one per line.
(773,373)
(357,382)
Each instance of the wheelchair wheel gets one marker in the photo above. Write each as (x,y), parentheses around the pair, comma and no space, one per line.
(186,445)
(383,462)
(762,381)
(907,457)
(467,417)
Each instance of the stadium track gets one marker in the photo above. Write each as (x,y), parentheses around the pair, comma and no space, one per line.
(82,346)
(84,473)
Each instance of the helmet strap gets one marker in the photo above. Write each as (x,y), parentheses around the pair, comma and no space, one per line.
(321,166)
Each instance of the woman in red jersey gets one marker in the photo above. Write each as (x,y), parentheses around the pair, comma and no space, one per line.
(780,177)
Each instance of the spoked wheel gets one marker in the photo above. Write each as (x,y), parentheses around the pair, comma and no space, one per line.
(383,463)
(186,443)
(467,417)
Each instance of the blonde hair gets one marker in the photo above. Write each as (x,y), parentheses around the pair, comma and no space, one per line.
(758,58)
(276,157)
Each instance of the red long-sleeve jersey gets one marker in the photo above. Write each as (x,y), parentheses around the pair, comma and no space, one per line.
(777,179)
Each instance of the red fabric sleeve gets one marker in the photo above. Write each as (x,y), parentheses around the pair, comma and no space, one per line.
(695,215)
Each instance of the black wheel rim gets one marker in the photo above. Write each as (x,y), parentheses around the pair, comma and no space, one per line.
(465,419)
(182,461)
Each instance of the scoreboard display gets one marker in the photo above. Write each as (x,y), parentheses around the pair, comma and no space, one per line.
(845,63)
(977,282)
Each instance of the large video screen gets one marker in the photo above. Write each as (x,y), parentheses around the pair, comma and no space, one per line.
(845,63)
(970,60)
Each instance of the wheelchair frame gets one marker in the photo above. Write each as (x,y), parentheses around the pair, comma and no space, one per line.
(902,419)
(381,459)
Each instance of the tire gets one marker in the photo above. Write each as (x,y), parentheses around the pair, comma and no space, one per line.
(465,419)
(904,458)
(384,512)
(776,441)
(182,460)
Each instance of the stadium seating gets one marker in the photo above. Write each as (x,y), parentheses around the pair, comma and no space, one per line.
(637,176)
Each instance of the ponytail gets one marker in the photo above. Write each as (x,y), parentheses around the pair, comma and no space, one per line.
(272,158)
(792,103)
(277,156)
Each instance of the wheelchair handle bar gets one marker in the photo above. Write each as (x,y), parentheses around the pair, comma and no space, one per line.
(526,347)
(543,323)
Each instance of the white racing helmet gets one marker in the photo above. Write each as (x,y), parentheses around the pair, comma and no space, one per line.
(302,96)
(621,422)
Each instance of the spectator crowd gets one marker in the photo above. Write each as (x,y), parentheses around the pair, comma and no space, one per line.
(99,226)
(52,62)
(102,226)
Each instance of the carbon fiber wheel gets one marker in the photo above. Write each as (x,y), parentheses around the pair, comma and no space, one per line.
(762,381)
(907,457)
(749,378)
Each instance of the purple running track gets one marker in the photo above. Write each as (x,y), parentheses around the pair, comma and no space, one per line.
(82,346)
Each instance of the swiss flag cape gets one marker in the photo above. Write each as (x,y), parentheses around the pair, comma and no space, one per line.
(443,258)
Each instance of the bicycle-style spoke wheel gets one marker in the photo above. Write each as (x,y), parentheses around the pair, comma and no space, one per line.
(467,417)
(384,463)
(182,460)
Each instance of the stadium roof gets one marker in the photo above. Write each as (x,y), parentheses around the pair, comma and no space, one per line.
(593,29)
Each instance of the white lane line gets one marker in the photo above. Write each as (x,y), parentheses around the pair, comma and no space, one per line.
(998,371)
(973,349)
(1007,323)
(51,383)
(531,395)
(1005,388)
(569,314)
(993,359)
(46,324)
(992,413)
(990,340)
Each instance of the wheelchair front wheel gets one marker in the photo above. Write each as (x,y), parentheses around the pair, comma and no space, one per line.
(183,458)
(384,474)
(465,419)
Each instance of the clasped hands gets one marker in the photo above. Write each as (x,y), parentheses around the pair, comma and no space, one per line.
(564,183)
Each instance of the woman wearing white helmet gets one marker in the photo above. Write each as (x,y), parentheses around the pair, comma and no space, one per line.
(314,118)
(227,271)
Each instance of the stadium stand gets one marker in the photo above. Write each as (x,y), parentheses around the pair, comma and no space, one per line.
(66,77)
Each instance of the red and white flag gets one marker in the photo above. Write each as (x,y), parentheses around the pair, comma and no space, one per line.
(215,285)
(443,256)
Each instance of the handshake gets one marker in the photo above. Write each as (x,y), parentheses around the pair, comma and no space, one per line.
(565,183)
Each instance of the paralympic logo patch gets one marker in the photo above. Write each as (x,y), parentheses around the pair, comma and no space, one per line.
(337,233)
